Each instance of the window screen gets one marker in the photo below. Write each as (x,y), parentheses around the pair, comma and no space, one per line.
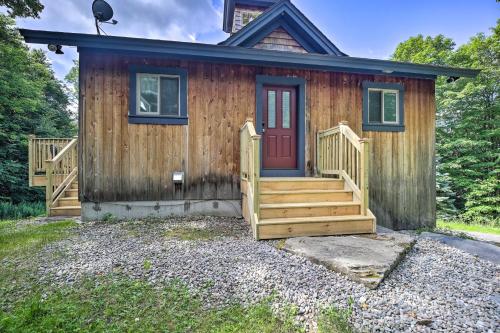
(390,107)
(375,106)
(158,95)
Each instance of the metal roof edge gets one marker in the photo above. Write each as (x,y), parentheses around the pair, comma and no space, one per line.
(242,55)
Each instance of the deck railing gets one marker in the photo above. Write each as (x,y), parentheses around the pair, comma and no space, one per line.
(341,153)
(61,171)
(40,151)
(250,172)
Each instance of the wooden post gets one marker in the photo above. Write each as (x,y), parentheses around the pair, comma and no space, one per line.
(318,155)
(341,146)
(31,159)
(256,176)
(365,170)
(49,188)
(242,152)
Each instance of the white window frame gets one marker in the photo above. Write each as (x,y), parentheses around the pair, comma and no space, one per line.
(158,77)
(383,107)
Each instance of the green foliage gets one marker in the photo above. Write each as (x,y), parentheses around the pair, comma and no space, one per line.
(108,217)
(23,8)
(73,80)
(15,240)
(32,101)
(468,123)
(193,234)
(335,320)
(112,304)
(483,203)
(425,50)
(458,225)
(147,265)
(9,211)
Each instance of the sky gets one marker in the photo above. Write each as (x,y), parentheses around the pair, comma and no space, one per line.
(362,28)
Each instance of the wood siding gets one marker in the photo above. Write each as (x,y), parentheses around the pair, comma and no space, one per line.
(127,162)
(280,40)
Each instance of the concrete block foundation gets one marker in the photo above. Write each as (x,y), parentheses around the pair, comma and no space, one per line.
(92,211)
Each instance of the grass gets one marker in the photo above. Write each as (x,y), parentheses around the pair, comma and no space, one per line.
(460,226)
(29,238)
(111,304)
(335,320)
(9,211)
(192,234)
(115,303)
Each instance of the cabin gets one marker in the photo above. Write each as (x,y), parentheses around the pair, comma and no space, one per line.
(275,124)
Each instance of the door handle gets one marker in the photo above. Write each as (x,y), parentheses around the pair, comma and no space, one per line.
(263,127)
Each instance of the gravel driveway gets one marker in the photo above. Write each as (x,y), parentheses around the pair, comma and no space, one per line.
(436,288)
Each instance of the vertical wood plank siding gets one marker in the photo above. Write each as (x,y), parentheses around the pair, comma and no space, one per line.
(129,162)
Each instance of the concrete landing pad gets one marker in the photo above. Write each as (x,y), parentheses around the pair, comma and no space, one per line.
(365,259)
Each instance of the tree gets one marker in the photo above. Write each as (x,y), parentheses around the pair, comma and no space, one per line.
(72,79)
(23,8)
(32,101)
(468,122)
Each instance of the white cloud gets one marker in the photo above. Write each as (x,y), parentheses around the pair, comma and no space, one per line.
(180,20)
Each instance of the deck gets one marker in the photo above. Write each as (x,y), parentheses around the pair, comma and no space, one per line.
(53,164)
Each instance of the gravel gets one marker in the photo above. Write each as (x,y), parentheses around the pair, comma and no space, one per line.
(435,288)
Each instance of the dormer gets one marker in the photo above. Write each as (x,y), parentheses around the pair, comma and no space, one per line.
(275,25)
(238,13)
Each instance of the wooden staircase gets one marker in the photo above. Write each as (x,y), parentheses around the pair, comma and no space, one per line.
(333,203)
(53,163)
(68,203)
(292,207)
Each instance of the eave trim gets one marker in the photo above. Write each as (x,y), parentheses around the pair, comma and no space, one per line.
(240,55)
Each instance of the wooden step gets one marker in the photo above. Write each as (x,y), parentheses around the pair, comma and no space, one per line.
(315,226)
(74,185)
(303,196)
(66,211)
(309,209)
(69,193)
(291,184)
(68,201)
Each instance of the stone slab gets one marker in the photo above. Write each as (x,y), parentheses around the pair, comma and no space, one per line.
(482,250)
(364,259)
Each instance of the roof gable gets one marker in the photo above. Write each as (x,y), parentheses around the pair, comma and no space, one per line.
(286,16)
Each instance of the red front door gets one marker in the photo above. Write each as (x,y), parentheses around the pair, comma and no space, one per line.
(279,137)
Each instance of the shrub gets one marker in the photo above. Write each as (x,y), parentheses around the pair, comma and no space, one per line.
(9,211)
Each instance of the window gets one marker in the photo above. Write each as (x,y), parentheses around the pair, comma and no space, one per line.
(383,105)
(286,109)
(158,95)
(247,17)
(271,109)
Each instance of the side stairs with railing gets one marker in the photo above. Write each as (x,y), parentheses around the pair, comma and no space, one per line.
(53,163)
(333,203)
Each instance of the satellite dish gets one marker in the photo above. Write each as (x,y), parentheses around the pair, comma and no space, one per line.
(102,10)
(102,13)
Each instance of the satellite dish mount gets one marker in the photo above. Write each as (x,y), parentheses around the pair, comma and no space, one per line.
(103,13)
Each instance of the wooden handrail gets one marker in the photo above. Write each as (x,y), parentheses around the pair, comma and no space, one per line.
(61,170)
(250,171)
(40,150)
(64,151)
(341,153)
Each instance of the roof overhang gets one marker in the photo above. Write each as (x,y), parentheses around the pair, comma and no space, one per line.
(240,55)
(229,6)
